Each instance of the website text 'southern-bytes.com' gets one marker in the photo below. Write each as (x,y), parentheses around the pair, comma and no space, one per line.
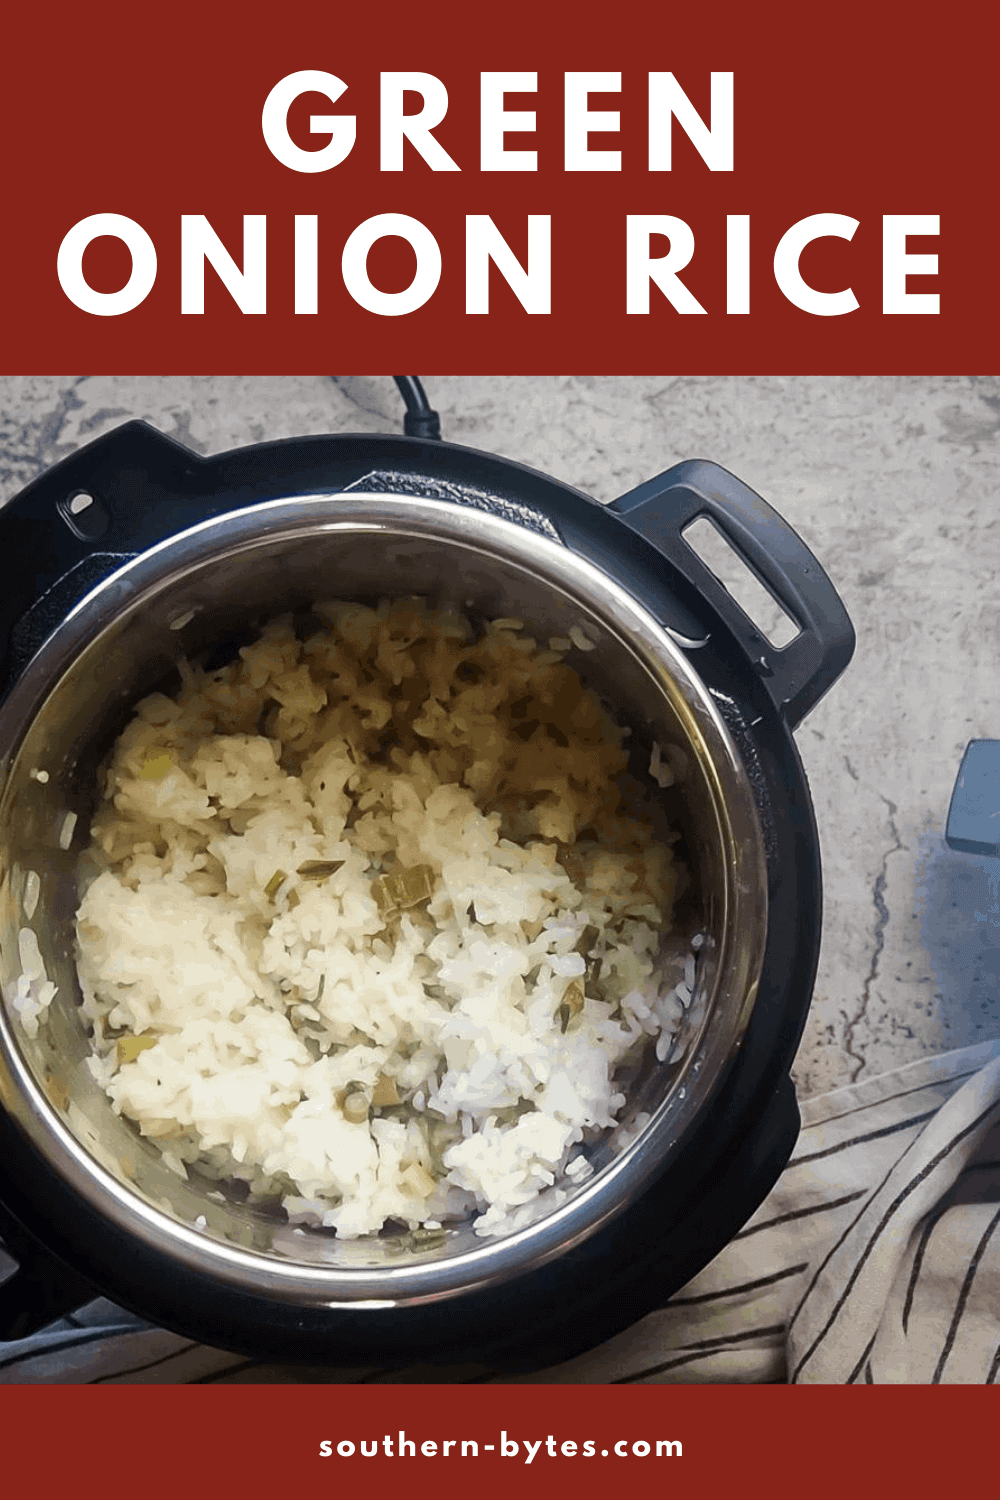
(527,1449)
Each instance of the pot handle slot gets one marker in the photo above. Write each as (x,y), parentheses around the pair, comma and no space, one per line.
(798,674)
(82,519)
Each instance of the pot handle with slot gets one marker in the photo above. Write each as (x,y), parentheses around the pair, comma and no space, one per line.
(796,675)
(85,517)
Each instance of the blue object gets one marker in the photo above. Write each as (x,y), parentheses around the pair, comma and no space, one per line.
(974,815)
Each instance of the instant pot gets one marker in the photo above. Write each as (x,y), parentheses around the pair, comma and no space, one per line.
(134,552)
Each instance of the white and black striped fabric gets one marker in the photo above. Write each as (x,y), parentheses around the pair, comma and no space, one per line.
(876,1259)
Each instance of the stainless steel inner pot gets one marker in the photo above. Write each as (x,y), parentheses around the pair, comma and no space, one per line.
(201,587)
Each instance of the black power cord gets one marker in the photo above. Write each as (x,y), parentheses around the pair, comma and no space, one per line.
(421,419)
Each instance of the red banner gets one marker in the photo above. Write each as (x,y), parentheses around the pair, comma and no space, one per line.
(525,1440)
(508,189)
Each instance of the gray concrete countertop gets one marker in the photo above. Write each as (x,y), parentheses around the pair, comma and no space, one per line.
(892,482)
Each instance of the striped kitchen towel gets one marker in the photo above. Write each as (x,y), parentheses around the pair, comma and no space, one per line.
(875,1259)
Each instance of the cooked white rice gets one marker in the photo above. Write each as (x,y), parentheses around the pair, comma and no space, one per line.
(367,924)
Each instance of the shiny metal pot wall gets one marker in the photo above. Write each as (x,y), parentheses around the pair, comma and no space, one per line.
(202,586)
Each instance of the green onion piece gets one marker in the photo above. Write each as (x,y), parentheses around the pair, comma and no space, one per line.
(403,888)
(319,869)
(275,883)
(587,939)
(355,1106)
(573,998)
(156,763)
(127,1048)
(428,1239)
(385,1092)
